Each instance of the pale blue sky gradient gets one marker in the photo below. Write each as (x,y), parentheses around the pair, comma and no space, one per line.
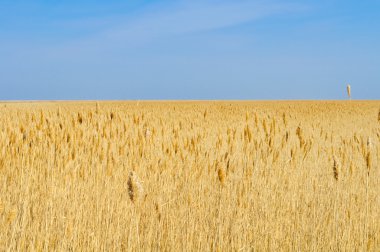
(227,49)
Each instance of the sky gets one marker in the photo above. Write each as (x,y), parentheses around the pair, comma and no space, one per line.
(193,50)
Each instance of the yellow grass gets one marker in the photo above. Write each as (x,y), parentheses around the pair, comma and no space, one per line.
(190,176)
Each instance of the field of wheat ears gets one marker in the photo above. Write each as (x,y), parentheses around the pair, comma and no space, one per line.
(190,176)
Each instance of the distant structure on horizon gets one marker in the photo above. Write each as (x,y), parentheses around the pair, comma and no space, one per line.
(349,91)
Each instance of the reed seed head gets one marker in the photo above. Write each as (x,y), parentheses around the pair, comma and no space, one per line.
(369,162)
(135,188)
(335,169)
(369,143)
(221,176)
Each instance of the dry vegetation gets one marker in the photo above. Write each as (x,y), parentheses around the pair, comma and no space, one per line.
(182,176)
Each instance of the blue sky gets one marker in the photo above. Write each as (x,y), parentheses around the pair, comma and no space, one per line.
(226,49)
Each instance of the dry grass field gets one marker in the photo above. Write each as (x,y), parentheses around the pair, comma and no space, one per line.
(190,176)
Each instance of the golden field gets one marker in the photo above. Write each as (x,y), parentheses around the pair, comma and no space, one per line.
(190,176)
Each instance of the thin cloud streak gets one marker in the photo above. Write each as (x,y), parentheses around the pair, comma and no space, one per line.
(145,26)
(198,17)
(188,17)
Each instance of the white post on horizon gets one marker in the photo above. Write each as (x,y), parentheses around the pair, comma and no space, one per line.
(349,91)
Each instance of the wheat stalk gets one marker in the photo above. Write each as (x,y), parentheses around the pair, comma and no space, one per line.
(221,176)
(1,207)
(12,215)
(369,143)
(369,162)
(97,108)
(135,188)
(335,169)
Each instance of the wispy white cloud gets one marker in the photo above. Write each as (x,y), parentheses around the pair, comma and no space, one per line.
(196,16)
(122,33)
(183,17)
